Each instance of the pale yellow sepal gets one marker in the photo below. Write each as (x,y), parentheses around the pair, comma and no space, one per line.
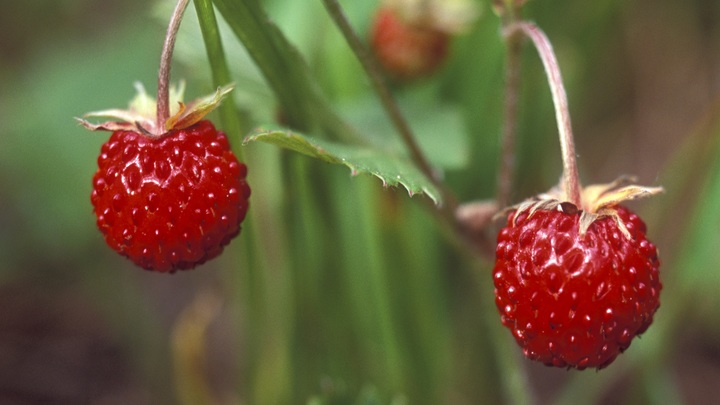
(141,114)
(190,114)
(598,201)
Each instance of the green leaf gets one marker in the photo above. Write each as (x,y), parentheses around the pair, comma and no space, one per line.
(284,69)
(392,170)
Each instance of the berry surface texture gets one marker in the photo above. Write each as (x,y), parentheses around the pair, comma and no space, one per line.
(173,202)
(571,299)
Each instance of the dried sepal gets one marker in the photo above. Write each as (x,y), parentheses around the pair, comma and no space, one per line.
(110,125)
(141,114)
(189,114)
(627,193)
(598,201)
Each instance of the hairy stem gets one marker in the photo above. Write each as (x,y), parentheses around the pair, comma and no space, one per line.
(571,181)
(163,102)
(506,171)
(506,168)
(388,101)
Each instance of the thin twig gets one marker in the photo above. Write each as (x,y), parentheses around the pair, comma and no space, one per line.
(163,102)
(571,181)
(391,107)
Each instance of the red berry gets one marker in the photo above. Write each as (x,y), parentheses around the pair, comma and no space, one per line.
(173,202)
(407,50)
(573,299)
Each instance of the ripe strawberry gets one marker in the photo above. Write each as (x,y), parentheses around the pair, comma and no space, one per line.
(169,203)
(575,287)
(168,197)
(411,39)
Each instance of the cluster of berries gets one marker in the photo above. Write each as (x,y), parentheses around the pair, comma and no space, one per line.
(574,284)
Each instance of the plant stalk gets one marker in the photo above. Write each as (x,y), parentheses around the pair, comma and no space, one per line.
(163,102)
(229,115)
(509,11)
(388,101)
(506,172)
(571,180)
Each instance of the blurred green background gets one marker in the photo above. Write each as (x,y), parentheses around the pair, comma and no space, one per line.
(340,291)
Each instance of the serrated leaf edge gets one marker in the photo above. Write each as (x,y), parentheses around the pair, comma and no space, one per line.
(321,154)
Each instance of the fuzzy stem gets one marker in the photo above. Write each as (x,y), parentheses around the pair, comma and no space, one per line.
(506,171)
(509,12)
(388,101)
(163,102)
(571,180)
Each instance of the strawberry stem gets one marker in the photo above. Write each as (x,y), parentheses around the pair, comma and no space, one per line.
(509,10)
(163,96)
(506,170)
(390,105)
(571,180)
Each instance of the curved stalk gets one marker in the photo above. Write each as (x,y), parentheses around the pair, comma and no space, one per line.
(163,102)
(571,180)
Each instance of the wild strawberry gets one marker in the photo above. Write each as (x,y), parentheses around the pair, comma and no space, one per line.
(404,50)
(576,286)
(411,39)
(168,198)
